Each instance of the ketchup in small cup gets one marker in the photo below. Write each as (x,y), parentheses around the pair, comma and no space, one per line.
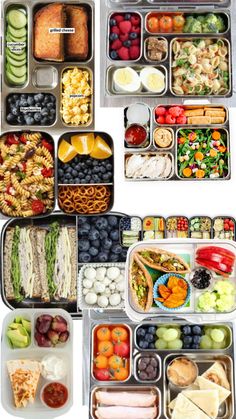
(54,395)
(135,135)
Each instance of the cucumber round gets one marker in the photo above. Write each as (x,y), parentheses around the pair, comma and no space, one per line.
(9,38)
(16,81)
(14,39)
(18,56)
(17,33)
(11,61)
(16,18)
(17,71)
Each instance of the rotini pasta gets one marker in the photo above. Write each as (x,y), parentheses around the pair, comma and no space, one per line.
(26,175)
(200,67)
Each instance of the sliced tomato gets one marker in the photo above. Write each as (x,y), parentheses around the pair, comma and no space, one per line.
(12,139)
(47,172)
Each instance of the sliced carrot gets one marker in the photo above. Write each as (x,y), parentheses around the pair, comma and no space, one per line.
(199,156)
(187,172)
(200,173)
(216,135)
(192,136)
(182,140)
(222,148)
(213,152)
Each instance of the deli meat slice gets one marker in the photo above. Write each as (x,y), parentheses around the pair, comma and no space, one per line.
(126,399)
(118,412)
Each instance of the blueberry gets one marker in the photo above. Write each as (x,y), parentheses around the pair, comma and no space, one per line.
(107,244)
(196,339)
(113,36)
(44,112)
(127,43)
(151,346)
(187,340)
(95,243)
(112,220)
(50,105)
(44,121)
(20,119)
(37,116)
(152,330)
(112,22)
(29,120)
(15,111)
(114,258)
(195,346)
(127,16)
(81,220)
(117,249)
(23,96)
(145,344)
(186,330)
(30,100)
(83,231)
(102,257)
(93,234)
(149,337)
(103,234)
(186,346)
(93,251)
(113,55)
(141,342)
(10,118)
(84,257)
(123,254)
(23,102)
(47,98)
(83,245)
(15,96)
(133,35)
(114,235)
(74,172)
(197,330)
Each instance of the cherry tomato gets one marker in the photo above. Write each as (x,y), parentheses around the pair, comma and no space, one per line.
(12,139)
(166,24)
(122,349)
(178,22)
(153,24)
(47,172)
(47,145)
(102,374)
(37,206)
(23,139)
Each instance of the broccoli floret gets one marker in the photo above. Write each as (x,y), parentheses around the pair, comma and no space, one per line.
(221,24)
(213,24)
(196,27)
(201,18)
(188,23)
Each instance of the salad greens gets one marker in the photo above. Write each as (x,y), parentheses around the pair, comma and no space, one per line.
(202,153)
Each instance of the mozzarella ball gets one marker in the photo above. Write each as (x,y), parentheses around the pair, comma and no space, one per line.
(112,286)
(106,281)
(114,299)
(120,278)
(87,283)
(107,292)
(85,291)
(100,274)
(91,298)
(90,273)
(113,272)
(102,301)
(99,287)
(120,286)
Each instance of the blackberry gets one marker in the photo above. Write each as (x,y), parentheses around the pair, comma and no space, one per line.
(201,279)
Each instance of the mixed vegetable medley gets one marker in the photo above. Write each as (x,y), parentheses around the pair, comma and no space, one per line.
(202,153)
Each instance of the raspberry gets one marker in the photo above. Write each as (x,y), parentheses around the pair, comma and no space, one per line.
(160,111)
(181,120)
(118,18)
(135,19)
(125,26)
(115,29)
(134,52)
(175,111)
(160,119)
(135,42)
(136,29)
(124,37)
(116,44)
(170,119)
(123,53)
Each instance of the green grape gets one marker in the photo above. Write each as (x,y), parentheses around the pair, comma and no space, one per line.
(175,344)
(177,328)
(217,335)
(207,330)
(206,342)
(160,331)
(225,331)
(219,345)
(207,301)
(225,303)
(170,334)
(224,287)
(160,344)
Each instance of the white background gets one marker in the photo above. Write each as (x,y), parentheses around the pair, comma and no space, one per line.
(147,198)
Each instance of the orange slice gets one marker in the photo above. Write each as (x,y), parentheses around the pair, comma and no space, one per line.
(83,143)
(66,151)
(101,149)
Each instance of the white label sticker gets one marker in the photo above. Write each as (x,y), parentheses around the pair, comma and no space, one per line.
(61,30)
(25,109)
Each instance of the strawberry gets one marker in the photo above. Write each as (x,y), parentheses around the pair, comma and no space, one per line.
(123,53)
(118,18)
(161,119)
(115,29)
(160,110)
(170,119)
(135,19)
(116,44)
(134,52)
(124,37)
(181,120)
(125,26)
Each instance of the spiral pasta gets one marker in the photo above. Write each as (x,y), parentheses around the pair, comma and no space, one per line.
(26,177)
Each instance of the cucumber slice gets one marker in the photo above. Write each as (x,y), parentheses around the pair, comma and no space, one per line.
(14,39)
(17,33)
(9,38)
(11,61)
(16,81)
(16,18)
(17,71)
(16,55)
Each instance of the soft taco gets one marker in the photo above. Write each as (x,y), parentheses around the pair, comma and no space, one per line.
(163,261)
(141,284)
